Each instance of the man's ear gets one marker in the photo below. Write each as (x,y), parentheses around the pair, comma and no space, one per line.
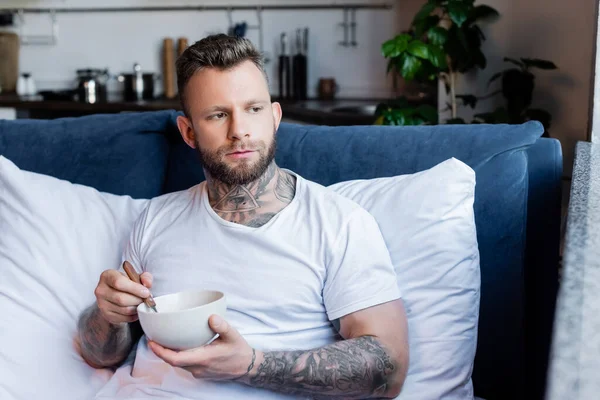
(186,130)
(277,113)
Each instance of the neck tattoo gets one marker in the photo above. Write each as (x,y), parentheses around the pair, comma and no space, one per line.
(256,203)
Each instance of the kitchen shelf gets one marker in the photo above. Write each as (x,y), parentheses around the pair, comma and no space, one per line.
(299,6)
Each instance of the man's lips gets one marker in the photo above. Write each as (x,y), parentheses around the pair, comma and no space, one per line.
(241,153)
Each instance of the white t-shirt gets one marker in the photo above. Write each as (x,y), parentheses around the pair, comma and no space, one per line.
(318,259)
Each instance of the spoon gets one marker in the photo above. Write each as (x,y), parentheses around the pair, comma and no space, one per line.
(134,276)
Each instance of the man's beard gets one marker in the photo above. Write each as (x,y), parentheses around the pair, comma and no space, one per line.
(245,171)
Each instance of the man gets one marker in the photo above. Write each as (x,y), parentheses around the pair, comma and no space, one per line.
(313,305)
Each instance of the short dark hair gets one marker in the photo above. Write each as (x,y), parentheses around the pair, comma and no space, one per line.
(218,51)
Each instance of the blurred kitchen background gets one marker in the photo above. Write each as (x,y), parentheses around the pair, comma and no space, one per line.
(59,49)
(61,46)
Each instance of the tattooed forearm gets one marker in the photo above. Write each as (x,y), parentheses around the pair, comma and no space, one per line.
(103,344)
(355,368)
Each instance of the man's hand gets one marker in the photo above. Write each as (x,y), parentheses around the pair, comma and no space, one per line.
(105,333)
(118,297)
(228,357)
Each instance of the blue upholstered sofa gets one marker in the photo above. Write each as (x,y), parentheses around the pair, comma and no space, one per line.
(517,206)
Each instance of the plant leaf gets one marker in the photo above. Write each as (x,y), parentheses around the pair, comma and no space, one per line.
(399,117)
(399,102)
(479,59)
(380,109)
(501,115)
(420,27)
(468,100)
(483,12)
(394,47)
(517,89)
(458,11)
(512,60)
(437,36)
(424,12)
(537,63)
(487,118)
(429,113)
(478,33)
(498,116)
(409,66)
(540,115)
(437,57)
(390,65)
(418,49)
(494,77)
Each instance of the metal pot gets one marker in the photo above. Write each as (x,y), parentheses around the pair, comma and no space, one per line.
(138,85)
(91,85)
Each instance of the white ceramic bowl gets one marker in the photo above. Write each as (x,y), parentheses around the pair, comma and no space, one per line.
(182,319)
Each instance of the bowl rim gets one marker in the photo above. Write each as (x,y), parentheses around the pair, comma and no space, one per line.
(140,309)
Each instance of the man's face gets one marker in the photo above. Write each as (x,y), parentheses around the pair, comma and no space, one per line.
(232,122)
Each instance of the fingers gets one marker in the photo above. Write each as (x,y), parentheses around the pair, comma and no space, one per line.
(117,318)
(178,358)
(226,332)
(117,296)
(124,311)
(119,281)
(122,299)
(147,279)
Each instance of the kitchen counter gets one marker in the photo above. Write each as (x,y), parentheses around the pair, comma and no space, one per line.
(575,355)
(319,112)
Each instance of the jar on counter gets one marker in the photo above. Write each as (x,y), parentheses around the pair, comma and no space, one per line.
(9,61)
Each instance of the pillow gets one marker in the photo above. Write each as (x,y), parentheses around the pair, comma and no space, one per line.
(428,223)
(426,219)
(57,238)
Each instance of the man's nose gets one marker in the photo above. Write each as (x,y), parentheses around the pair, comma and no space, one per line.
(238,127)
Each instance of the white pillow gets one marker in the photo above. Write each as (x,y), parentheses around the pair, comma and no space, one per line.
(56,239)
(427,220)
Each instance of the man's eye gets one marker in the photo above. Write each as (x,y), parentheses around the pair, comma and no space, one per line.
(217,116)
(255,109)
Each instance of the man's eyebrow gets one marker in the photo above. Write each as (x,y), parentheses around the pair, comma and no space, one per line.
(215,108)
(226,108)
(256,101)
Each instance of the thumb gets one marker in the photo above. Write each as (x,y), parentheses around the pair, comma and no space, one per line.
(146,279)
(226,332)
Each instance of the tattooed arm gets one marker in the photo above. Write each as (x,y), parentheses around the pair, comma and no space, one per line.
(109,328)
(104,344)
(371,362)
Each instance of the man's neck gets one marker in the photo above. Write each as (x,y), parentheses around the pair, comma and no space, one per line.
(255,203)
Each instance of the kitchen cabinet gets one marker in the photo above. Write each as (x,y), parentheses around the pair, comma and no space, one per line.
(65,4)
(315,112)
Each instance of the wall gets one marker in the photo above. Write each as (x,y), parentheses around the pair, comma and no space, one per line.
(595,129)
(117,40)
(557,30)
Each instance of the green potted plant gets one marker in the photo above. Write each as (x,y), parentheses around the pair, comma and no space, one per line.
(517,85)
(444,40)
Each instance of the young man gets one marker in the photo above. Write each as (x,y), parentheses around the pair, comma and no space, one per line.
(313,304)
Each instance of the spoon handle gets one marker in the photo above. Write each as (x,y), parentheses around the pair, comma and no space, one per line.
(134,276)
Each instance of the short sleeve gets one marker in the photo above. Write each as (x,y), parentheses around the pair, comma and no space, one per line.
(360,273)
(133,249)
